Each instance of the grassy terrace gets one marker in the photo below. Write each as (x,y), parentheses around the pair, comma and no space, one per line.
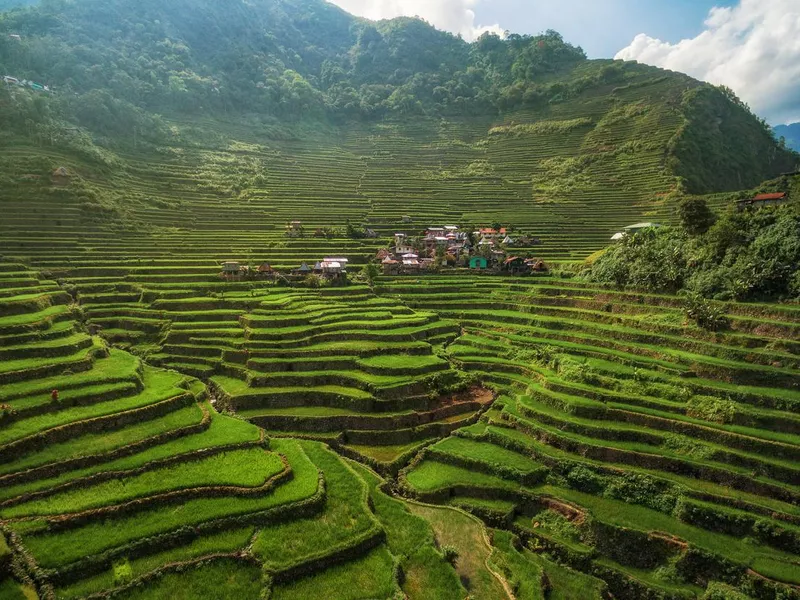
(619,421)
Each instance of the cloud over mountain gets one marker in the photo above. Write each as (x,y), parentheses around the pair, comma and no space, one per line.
(753,48)
(456,16)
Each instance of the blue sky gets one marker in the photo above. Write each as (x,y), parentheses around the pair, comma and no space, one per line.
(601,27)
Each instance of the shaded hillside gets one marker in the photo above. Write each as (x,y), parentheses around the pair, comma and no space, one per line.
(709,153)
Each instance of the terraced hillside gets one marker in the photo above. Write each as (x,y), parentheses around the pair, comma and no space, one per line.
(168,432)
(637,449)
(627,451)
(128,478)
(571,173)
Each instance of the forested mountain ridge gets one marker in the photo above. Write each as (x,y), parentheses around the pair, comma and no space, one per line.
(125,71)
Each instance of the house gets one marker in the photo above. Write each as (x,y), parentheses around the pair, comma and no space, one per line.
(294,229)
(390,266)
(762,200)
(402,245)
(537,265)
(370,233)
(478,262)
(15,36)
(332,266)
(10,80)
(266,270)
(491,234)
(515,264)
(636,228)
(617,236)
(508,240)
(231,268)
(303,269)
(61,176)
(382,254)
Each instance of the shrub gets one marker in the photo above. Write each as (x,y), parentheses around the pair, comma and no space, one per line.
(705,313)
(695,216)
(123,573)
(450,554)
(710,408)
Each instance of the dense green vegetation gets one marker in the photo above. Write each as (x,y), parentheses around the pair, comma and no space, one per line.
(745,255)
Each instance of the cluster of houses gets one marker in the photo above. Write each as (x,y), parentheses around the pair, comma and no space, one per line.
(9,80)
(448,246)
(330,268)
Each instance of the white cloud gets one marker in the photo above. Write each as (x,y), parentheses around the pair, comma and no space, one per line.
(456,16)
(753,48)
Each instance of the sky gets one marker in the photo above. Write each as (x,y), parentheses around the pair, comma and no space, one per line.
(752,46)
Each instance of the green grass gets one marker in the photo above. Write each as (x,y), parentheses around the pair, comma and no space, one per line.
(63,547)
(366,578)
(226,541)
(159,386)
(222,580)
(346,516)
(431,476)
(248,468)
(466,535)
(13,590)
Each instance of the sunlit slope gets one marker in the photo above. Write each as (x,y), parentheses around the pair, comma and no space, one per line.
(571,173)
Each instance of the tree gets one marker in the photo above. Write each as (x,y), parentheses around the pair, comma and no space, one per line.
(695,216)
(371,271)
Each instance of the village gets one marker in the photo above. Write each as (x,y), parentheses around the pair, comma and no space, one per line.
(434,250)
(487,249)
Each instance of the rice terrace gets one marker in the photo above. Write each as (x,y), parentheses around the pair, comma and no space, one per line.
(295,304)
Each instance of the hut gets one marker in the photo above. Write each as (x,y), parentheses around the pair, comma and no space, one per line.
(303,269)
(294,229)
(537,265)
(231,268)
(390,266)
(61,176)
(762,200)
(266,270)
(478,262)
(515,264)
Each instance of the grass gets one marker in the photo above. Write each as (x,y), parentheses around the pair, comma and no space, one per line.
(221,579)
(13,590)
(345,517)
(365,578)
(411,539)
(431,476)
(159,386)
(248,468)
(52,549)
(226,541)
(466,535)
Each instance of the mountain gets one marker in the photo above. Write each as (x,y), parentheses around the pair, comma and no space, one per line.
(526,125)
(791,133)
